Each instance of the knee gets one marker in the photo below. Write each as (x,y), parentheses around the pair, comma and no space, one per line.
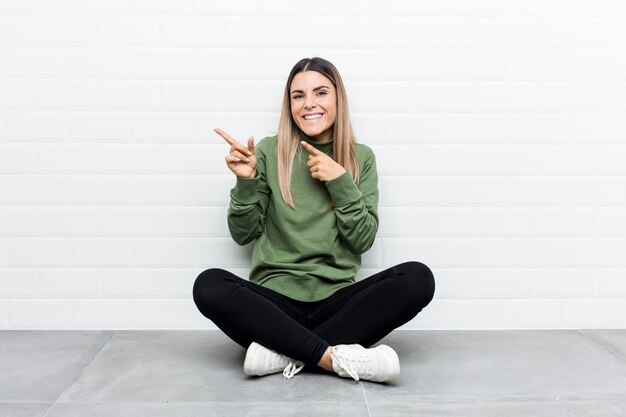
(421,282)
(208,287)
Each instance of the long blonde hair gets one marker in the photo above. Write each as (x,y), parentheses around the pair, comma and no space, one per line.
(344,142)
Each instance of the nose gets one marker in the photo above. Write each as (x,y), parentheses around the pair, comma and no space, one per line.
(309,104)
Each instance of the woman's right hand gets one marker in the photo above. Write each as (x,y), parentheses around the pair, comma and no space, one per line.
(241,159)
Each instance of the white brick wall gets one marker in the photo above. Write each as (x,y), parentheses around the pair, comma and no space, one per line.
(499,127)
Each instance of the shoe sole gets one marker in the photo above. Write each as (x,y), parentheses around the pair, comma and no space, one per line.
(393,361)
(247,363)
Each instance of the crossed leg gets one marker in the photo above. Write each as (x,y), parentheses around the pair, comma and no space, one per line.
(362,313)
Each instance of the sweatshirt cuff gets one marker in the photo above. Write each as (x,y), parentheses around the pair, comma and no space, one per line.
(343,190)
(245,191)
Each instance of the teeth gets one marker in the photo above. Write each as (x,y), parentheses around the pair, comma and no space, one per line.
(312,116)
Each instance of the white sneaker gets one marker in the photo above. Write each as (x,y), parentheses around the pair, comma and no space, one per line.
(379,364)
(262,361)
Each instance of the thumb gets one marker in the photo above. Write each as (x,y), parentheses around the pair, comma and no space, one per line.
(251,145)
(310,148)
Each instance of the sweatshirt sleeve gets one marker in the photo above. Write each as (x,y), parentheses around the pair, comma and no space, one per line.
(356,206)
(248,203)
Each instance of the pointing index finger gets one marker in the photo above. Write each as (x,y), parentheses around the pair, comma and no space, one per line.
(231,141)
(310,148)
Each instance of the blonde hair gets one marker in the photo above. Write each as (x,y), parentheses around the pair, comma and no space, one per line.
(344,142)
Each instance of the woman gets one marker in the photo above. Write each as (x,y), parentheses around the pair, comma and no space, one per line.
(308,198)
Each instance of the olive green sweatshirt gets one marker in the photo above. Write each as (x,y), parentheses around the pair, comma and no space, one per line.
(309,252)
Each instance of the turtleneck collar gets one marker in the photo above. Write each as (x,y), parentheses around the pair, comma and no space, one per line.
(324,146)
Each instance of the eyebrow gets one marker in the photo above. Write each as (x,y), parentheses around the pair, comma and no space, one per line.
(315,89)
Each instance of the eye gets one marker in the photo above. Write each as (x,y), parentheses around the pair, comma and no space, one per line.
(322,93)
(296,96)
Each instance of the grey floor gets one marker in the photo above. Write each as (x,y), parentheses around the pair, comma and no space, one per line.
(199,373)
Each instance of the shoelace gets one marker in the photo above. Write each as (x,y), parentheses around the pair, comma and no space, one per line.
(292,368)
(345,364)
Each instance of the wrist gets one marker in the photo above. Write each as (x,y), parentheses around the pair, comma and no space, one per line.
(338,174)
(252,175)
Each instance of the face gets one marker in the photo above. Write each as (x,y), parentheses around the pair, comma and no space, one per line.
(313,100)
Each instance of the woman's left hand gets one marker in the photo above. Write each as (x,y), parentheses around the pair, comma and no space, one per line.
(322,166)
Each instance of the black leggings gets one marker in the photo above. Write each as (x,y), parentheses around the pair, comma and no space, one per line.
(363,312)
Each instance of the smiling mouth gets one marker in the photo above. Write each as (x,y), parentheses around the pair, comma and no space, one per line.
(312,116)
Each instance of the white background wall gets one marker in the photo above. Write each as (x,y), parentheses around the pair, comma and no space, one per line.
(499,127)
